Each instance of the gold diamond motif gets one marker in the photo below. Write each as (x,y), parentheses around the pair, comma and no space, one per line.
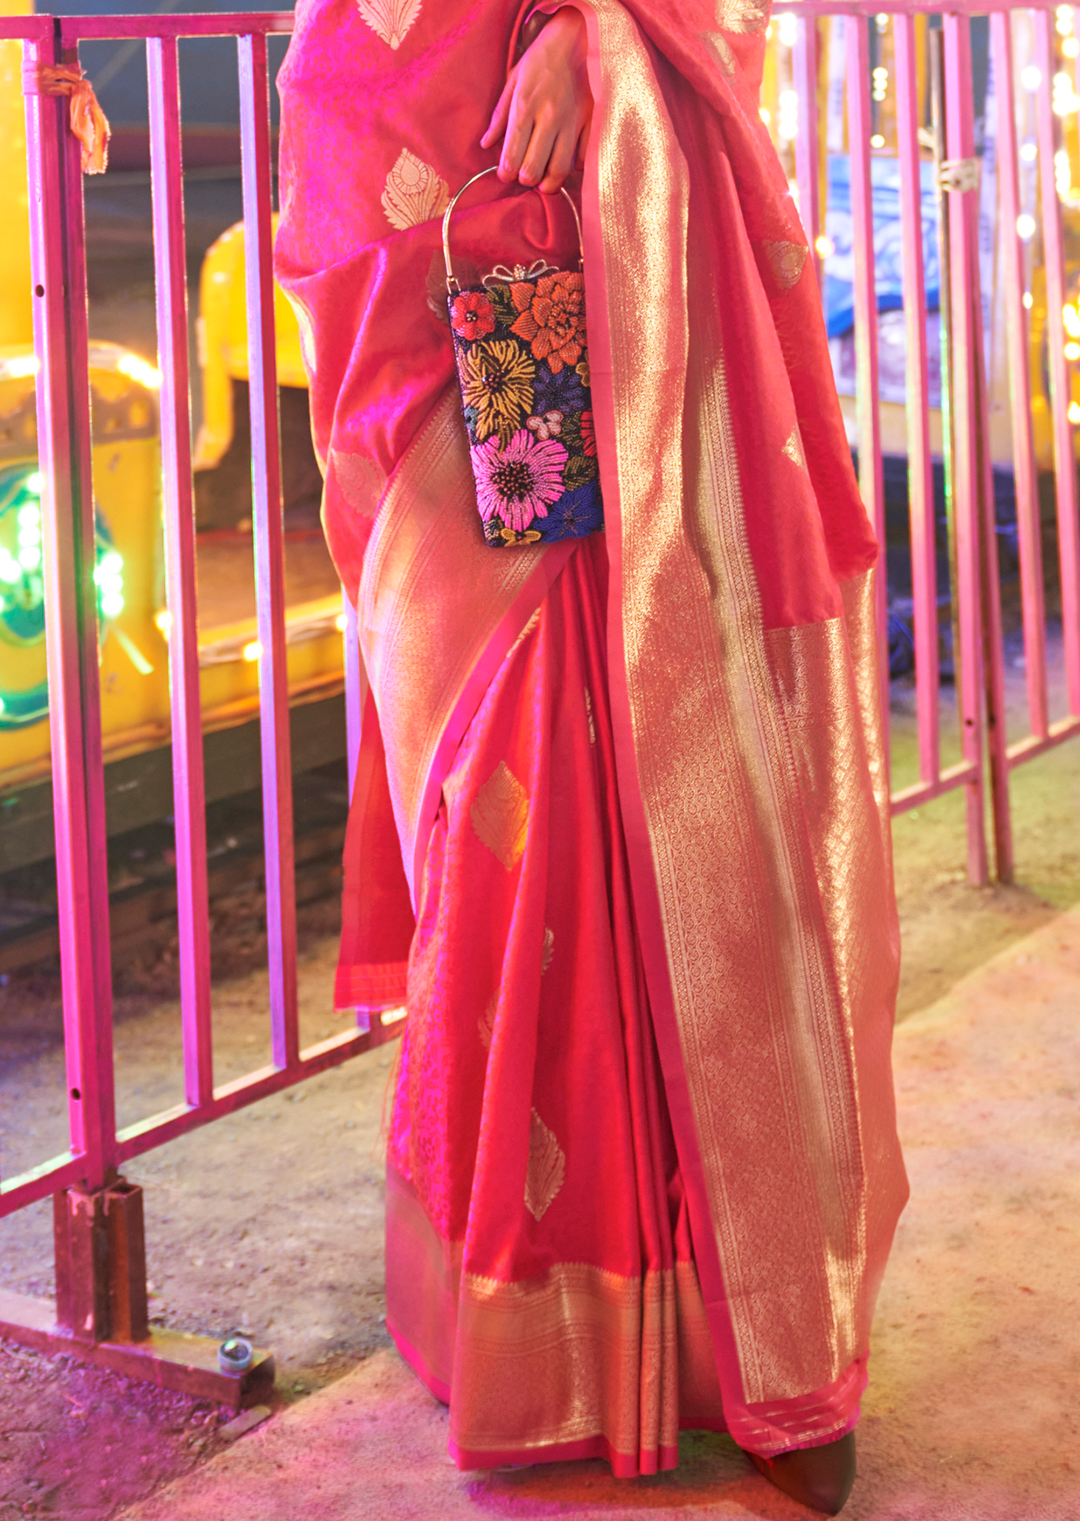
(500,815)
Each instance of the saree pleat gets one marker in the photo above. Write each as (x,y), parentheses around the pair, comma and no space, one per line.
(536,1197)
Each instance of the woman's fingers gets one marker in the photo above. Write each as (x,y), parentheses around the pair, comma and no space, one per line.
(545,106)
(501,114)
(560,162)
(516,143)
(537,159)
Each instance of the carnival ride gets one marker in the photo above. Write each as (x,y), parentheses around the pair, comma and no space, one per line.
(133,625)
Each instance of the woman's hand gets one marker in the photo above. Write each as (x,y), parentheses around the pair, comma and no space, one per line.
(545,109)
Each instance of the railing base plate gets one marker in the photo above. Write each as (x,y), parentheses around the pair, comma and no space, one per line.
(169,1359)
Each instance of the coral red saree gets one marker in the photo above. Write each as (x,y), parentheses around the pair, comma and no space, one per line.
(620,824)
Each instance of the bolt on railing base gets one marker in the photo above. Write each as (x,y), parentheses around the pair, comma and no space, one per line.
(169,1359)
(100,1312)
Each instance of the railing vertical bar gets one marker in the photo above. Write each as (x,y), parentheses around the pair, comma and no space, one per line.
(58,270)
(1068,524)
(269,548)
(965,357)
(807,165)
(920,464)
(1016,331)
(189,806)
(871,475)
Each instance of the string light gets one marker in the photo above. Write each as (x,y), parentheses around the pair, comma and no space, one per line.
(1072,351)
(825,246)
(1071,47)
(1027,300)
(788,29)
(1062,171)
(252,652)
(1025,227)
(1030,78)
(1029,151)
(787,116)
(1065,100)
(1071,318)
(1074,412)
(881,82)
(1065,20)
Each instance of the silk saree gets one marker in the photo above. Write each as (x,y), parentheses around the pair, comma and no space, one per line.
(619,836)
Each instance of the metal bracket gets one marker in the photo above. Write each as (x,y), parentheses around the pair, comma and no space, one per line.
(100,1311)
(960,174)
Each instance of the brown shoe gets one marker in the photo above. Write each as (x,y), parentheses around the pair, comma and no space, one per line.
(818,1477)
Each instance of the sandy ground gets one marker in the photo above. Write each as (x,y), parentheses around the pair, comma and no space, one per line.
(271,1222)
(971,1411)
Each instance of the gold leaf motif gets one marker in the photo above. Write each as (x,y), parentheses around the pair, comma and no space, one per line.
(548,951)
(389,19)
(547,1168)
(721,49)
(589,716)
(793,448)
(500,815)
(414,192)
(743,15)
(787,261)
(361,481)
(485,1025)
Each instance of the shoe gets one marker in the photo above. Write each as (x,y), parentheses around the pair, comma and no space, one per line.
(817,1477)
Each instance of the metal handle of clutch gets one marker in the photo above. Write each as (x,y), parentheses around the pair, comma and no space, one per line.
(451,281)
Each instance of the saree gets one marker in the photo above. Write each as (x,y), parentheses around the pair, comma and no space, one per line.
(619,836)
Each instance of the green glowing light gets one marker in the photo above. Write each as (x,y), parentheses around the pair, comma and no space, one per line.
(29,557)
(34,483)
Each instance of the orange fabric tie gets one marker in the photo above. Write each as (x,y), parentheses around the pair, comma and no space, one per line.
(88,121)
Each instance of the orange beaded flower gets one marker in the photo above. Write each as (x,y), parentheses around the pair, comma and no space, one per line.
(552,317)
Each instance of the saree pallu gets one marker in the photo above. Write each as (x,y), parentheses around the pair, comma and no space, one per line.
(651,1181)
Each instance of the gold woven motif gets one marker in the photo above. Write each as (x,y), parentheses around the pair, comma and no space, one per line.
(389,19)
(786,260)
(547,1168)
(414,192)
(793,448)
(500,815)
(548,951)
(485,1025)
(719,46)
(742,15)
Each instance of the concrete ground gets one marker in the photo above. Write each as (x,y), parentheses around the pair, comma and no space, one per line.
(971,1413)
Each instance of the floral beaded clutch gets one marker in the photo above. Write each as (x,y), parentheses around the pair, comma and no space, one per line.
(523,367)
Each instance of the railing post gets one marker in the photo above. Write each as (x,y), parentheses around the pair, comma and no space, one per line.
(189,808)
(981,644)
(58,271)
(269,549)
(864,292)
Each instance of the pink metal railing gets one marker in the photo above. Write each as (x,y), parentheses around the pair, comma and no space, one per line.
(63,403)
(987,756)
(63,406)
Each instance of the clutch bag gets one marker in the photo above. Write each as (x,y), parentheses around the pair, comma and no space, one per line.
(522,358)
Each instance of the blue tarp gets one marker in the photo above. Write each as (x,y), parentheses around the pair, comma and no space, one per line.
(888,257)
